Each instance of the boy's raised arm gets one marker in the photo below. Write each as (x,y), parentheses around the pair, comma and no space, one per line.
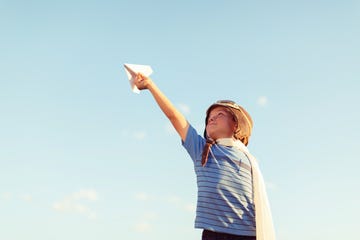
(176,118)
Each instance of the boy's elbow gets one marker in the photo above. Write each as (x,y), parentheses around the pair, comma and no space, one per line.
(181,126)
(172,117)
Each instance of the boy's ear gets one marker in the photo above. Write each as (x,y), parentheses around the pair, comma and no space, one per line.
(235,127)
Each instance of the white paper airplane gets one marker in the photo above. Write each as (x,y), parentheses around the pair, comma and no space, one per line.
(132,70)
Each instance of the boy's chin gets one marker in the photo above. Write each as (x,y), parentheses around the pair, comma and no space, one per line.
(214,137)
(218,136)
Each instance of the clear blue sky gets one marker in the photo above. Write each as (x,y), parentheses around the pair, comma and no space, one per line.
(82,157)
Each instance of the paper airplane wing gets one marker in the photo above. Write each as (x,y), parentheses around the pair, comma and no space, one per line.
(133,69)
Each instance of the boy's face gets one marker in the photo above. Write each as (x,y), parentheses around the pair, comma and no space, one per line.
(221,124)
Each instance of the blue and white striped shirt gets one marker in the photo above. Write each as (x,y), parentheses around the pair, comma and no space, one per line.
(225,195)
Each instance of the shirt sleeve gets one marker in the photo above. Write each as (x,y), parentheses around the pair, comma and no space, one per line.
(194,144)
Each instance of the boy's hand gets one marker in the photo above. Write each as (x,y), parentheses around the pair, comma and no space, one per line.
(142,82)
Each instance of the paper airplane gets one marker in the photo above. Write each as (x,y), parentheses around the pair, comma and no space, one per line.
(132,70)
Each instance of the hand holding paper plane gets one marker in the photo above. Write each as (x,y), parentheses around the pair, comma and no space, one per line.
(132,70)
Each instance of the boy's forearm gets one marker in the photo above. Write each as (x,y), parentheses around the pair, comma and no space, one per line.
(163,102)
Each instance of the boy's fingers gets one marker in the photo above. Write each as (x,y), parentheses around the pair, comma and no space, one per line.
(140,77)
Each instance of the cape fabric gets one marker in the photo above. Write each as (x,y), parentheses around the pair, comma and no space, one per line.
(264,224)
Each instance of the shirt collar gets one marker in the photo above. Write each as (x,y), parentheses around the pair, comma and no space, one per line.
(231,142)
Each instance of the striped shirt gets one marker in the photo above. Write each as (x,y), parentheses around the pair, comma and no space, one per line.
(225,195)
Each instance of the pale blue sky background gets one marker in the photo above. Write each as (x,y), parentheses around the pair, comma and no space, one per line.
(82,157)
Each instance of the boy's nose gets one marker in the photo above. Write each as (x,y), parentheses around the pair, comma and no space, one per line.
(212,119)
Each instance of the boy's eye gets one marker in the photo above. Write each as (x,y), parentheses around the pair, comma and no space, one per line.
(218,115)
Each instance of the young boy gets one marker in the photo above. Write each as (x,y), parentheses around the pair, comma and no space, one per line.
(232,202)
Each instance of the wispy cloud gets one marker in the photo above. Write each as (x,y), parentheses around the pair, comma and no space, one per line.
(179,203)
(174,200)
(86,194)
(170,200)
(26,197)
(71,203)
(146,222)
(6,196)
(271,186)
(139,135)
(190,207)
(143,227)
(143,196)
(134,134)
(262,101)
(169,128)
(185,109)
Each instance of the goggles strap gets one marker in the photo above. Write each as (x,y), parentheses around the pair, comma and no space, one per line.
(206,150)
